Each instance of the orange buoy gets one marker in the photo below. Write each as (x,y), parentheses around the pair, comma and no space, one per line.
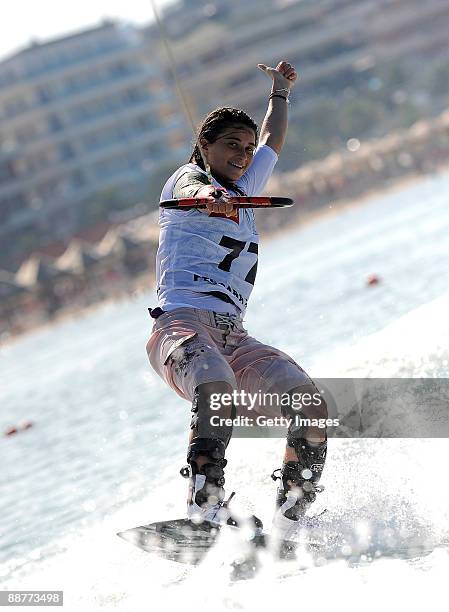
(372,280)
(21,427)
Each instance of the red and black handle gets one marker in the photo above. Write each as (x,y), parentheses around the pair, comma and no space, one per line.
(242,202)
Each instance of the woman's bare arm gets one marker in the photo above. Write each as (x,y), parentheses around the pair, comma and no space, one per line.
(274,126)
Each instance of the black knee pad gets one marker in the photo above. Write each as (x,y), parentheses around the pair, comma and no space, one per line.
(306,403)
(201,418)
(207,447)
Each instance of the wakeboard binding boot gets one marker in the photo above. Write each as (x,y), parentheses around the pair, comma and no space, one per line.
(206,497)
(298,487)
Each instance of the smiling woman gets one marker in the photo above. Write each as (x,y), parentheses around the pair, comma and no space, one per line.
(227,136)
(206,270)
(232,152)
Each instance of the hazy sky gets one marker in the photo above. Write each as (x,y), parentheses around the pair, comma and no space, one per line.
(23,20)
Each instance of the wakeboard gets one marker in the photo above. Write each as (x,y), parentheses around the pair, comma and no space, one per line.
(184,541)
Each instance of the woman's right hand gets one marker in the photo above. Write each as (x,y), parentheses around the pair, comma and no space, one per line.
(224,204)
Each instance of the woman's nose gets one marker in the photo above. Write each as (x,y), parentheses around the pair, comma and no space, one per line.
(242,154)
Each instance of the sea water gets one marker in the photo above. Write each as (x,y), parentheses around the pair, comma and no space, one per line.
(109,438)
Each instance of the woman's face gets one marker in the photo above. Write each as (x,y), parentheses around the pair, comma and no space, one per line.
(232,152)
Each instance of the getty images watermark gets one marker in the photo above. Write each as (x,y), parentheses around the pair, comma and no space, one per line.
(249,401)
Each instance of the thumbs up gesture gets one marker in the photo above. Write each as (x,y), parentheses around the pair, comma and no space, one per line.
(284,75)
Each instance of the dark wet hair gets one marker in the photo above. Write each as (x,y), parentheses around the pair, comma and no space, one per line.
(214,124)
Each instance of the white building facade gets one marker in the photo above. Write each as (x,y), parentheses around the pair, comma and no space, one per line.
(81,115)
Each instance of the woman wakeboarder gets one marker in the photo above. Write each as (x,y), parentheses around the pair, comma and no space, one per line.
(206,269)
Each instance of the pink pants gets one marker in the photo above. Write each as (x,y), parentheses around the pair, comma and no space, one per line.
(190,346)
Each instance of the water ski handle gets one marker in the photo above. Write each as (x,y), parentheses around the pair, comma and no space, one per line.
(243,202)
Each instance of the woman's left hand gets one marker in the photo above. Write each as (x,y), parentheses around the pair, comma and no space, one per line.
(219,200)
(284,75)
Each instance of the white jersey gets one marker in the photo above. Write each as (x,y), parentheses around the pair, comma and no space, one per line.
(200,256)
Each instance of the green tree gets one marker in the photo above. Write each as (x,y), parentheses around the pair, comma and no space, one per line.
(358,116)
(439,80)
(100,206)
(156,182)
